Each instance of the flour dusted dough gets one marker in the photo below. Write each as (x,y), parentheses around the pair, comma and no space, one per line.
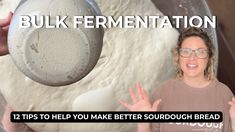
(129,56)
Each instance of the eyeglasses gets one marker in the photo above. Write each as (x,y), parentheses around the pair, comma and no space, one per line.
(200,53)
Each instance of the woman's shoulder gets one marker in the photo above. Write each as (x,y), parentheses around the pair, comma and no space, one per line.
(223,88)
(166,86)
(168,83)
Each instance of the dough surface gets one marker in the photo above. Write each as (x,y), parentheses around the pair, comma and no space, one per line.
(128,56)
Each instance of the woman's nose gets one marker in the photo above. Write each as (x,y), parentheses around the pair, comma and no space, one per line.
(192,56)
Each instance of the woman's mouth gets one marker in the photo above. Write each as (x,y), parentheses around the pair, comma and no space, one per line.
(191,66)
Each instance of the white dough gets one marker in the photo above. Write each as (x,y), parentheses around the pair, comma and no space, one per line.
(129,56)
(95,100)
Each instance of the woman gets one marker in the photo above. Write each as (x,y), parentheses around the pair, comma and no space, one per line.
(195,88)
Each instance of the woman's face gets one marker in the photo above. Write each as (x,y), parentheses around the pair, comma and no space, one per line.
(193,57)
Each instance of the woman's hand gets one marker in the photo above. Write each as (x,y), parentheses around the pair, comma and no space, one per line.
(232,111)
(13,127)
(141,103)
(4,26)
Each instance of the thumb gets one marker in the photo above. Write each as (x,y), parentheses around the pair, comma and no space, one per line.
(231,104)
(156,104)
(124,104)
(9,17)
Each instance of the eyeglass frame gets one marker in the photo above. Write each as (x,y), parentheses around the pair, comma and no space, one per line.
(195,52)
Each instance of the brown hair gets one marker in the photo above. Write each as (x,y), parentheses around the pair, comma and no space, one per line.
(198,32)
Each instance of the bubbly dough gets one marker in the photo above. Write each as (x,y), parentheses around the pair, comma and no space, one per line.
(129,56)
